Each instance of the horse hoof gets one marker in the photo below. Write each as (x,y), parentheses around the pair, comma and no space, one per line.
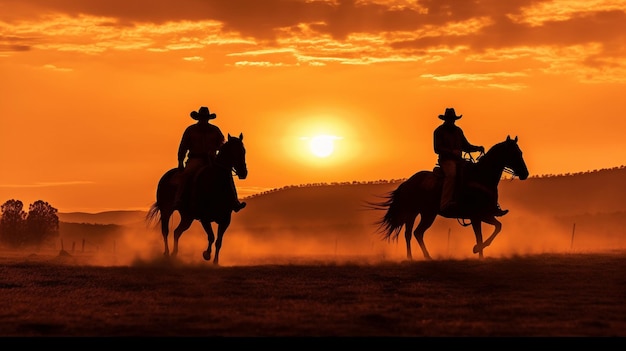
(476,249)
(206,255)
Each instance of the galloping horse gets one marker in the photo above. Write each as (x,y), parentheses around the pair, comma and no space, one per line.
(420,195)
(207,199)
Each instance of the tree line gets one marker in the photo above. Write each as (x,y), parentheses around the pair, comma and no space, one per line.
(20,229)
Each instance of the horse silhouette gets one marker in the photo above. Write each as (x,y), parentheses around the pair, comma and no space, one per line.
(421,194)
(206,200)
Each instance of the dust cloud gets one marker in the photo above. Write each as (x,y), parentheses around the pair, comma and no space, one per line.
(523,233)
(330,226)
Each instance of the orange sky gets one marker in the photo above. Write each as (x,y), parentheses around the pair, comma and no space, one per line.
(95,95)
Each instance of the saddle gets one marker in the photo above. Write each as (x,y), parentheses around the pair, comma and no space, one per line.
(206,190)
(469,193)
(465,167)
(187,186)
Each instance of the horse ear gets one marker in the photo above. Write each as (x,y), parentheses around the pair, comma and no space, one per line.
(229,136)
(241,136)
(508,138)
(516,138)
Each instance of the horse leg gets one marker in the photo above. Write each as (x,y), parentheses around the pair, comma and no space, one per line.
(408,228)
(185,223)
(221,229)
(426,220)
(206,224)
(497,228)
(165,221)
(478,232)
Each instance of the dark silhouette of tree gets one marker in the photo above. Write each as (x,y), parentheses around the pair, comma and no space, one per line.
(42,223)
(17,228)
(12,223)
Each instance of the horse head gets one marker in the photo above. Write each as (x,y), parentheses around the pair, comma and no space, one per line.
(233,154)
(512,157)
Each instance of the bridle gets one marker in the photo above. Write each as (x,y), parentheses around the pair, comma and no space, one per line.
(469,157)
(510,171)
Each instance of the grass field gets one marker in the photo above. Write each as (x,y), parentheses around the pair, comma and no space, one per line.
(549,294)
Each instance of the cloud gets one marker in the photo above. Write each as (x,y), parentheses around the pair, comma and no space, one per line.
(58,69)
(9,48)
(47,184)
(320,33)
(194,59)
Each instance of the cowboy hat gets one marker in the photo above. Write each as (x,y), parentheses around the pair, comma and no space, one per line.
(202,113)
(449,114)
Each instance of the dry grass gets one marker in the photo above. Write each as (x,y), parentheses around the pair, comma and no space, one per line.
(560,294)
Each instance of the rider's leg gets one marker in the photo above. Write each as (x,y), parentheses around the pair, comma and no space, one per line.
(180,184)
(449,183)
(497,210)
(191,166)
(236,204)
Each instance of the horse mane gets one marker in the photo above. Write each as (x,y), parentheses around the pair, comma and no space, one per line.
(496,149)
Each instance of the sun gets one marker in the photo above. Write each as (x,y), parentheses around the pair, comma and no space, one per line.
(322,145)
(323,141)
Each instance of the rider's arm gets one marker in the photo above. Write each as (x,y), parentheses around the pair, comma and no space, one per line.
(467,147)
(183,147)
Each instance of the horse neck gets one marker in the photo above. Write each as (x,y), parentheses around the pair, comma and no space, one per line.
(490,168)
(223,161)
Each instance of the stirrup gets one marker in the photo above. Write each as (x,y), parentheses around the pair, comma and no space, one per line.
(452,210)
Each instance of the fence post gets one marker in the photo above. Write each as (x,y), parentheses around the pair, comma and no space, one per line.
(448,248)
(571,246)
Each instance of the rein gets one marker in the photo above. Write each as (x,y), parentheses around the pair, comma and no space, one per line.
(469,157)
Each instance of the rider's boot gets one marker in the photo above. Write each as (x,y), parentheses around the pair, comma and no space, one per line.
(498,212)
(239,206)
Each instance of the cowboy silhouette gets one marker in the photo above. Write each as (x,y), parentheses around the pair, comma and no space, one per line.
(449,143)
(199,144)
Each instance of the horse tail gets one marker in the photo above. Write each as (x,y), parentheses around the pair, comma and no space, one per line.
(154,214)
(390,224)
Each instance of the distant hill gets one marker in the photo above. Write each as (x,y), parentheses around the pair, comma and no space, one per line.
(602,191)
(108,217)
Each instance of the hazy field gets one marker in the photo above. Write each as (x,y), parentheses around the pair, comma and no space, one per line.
(550,294)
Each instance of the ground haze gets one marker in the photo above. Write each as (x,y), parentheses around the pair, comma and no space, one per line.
(577,294)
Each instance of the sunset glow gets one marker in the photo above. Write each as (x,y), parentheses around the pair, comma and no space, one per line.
(95,95)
